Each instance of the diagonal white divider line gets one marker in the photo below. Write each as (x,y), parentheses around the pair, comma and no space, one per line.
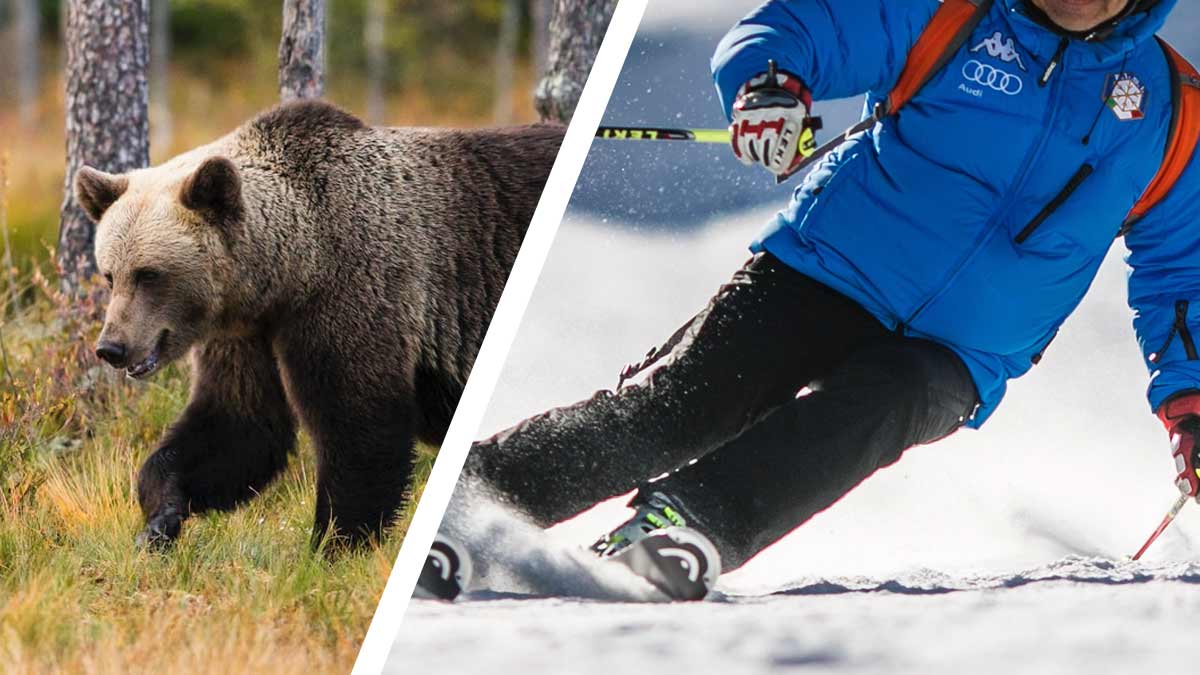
(509,312)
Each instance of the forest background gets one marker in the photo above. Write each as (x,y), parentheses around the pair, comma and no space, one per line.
(214,65)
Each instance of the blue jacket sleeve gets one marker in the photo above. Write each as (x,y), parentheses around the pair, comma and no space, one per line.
(1164,288)
(839,48)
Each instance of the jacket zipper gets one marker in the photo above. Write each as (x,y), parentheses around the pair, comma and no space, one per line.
(1060,199)
(1181,329)
(1054,61)
(1018,183)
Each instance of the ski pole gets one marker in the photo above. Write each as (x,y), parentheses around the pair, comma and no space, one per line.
(808,144)
(663,134)
(1183,499)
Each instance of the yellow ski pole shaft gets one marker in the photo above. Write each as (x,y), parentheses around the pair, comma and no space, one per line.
(663,134)
(807,143)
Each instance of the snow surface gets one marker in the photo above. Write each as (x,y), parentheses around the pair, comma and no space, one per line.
(1077,615)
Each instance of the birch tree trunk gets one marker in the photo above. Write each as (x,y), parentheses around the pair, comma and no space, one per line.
(108,47)
(302,50)
(506,55)
(160,60)
(28,24)
(576,30)
(373,35)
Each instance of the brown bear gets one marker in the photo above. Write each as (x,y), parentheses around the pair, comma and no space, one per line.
(316,269)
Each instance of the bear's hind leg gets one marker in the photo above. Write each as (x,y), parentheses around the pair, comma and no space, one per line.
(231,441)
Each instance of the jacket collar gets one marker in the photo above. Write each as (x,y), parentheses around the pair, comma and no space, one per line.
(1111,43)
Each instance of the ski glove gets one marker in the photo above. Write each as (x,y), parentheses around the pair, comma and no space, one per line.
(1181,415)
(771,122)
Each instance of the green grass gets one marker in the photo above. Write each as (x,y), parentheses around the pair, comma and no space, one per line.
(240,592)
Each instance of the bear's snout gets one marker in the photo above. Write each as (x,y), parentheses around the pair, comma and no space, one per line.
(113,353)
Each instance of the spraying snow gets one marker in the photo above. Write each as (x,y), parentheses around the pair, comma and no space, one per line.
(514,558)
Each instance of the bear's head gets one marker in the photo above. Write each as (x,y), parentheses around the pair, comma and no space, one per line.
(161,241)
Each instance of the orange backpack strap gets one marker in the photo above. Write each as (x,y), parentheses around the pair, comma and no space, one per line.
(1182,139)
(946,33)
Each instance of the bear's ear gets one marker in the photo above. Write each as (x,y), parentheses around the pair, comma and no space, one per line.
(214,190)
(96,190)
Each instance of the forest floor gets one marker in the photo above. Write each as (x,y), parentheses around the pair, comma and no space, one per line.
(240,591)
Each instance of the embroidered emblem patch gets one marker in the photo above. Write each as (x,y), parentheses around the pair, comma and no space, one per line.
(1125,95)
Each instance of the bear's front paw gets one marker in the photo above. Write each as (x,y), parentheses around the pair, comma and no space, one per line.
(162,529)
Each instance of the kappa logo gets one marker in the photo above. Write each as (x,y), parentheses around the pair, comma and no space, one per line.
(1000,48)
(992,78)
(1125,95)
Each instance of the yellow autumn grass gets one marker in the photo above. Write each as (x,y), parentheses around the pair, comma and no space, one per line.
(240,592)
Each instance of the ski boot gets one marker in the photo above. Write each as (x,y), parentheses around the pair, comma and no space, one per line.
(658,546)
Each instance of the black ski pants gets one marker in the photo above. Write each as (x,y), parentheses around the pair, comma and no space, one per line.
(750,456)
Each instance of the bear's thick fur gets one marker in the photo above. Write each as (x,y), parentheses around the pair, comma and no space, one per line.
(315,269)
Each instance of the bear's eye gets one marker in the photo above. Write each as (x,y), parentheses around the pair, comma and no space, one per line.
(145,276)
(108,278)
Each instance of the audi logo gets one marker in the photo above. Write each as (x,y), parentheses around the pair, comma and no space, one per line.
(992,77)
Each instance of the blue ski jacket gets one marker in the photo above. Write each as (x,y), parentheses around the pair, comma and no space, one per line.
(980,214)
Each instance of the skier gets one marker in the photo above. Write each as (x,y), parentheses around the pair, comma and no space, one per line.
(918,268)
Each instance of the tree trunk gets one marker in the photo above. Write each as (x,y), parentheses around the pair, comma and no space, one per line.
(107,44)
(539,16)
(302,50)
(28,24)
(373,35)
(506,54)
(160,60)
(576,29)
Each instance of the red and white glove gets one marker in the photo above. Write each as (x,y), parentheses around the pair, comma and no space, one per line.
(1181,415)
(769,121)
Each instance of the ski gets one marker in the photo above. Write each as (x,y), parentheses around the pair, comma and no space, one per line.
(446,573)
(679,561)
